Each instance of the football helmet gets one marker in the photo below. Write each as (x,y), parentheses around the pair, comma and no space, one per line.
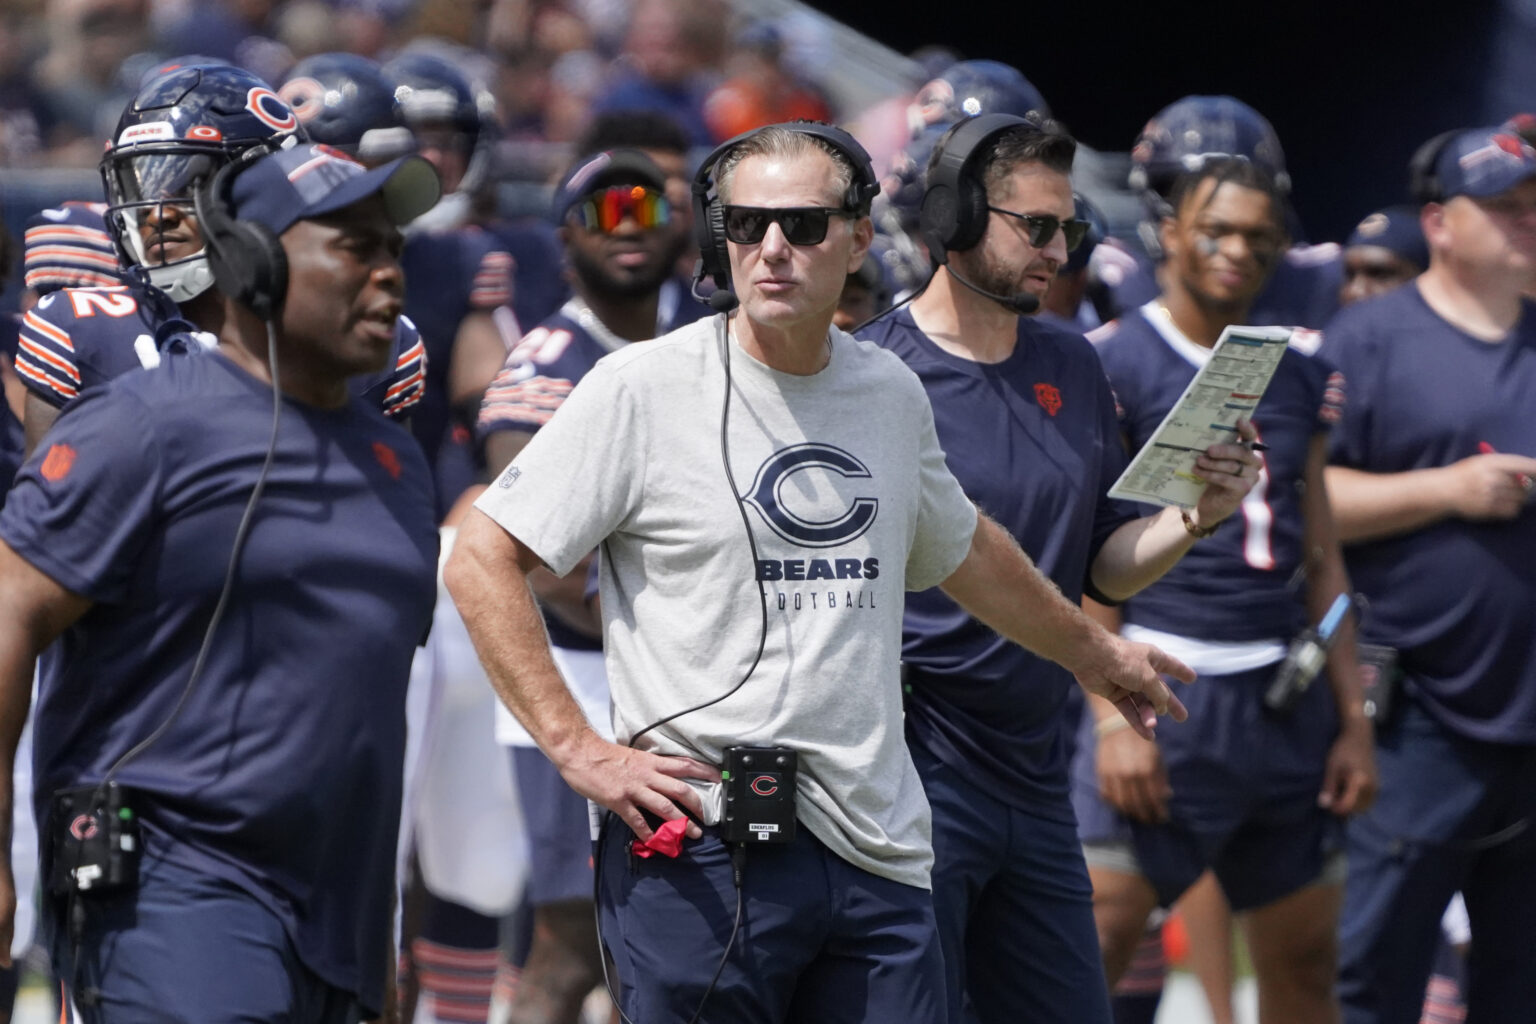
(447,109)
(184,123)
(346,101)
(1185,134)
(974,87)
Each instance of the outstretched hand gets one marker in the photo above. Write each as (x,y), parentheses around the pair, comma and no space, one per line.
(1130,676)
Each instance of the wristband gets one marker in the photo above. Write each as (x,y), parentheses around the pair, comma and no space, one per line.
(1110,725)
(1197,532)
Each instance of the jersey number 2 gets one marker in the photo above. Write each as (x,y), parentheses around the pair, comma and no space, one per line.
(88,304)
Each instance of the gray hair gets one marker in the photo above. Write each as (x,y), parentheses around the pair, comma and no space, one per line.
(782,143)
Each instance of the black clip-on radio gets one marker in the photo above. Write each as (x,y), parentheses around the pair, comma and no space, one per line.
(759,795)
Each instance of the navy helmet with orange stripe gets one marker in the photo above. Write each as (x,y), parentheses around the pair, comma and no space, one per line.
(185,121)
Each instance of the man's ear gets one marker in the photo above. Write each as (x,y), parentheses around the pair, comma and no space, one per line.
(1167,233)
(1432,223)
(863,238)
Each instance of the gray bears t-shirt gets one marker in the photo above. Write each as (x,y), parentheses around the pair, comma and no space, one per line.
(850,504)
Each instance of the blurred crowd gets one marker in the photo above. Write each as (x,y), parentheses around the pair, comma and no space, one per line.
(68,66)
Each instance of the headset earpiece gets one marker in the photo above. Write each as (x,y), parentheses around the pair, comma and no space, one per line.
(247,259)
(1423,178)
(954,211)
(709,216)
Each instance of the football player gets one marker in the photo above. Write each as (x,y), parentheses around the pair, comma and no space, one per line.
(458,277)
(1254,792)
(185,122)
(615,222)
(1303,288)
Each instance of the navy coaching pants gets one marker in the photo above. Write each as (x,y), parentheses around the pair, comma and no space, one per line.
(186,948)
(1014,906)
(1453,813)
(820,940)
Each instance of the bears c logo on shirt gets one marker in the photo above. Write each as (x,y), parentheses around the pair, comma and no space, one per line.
(57,463)
(766,496)
(387,458)
(1049,397)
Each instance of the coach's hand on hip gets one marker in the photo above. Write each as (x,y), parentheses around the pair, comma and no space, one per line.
(628,781)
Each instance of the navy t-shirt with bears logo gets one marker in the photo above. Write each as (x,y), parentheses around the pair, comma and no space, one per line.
(282,773)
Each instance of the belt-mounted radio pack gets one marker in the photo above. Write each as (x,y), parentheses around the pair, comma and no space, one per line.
(94,840)
(759,795)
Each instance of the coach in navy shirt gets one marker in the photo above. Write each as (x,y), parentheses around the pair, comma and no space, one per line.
(1027,423)
(269,791)
(1431,482)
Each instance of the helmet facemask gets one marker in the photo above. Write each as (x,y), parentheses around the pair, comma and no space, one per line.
(152,184)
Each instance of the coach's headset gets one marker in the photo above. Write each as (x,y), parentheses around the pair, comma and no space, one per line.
(1423,176)
(954,213)
(246,257)
(709,216)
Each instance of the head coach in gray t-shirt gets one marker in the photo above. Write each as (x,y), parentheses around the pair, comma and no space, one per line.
(763,489)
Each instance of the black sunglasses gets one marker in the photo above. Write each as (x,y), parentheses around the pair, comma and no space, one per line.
(802,225)
(1041,228)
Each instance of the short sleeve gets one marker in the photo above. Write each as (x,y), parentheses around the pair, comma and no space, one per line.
(45,356)
(1109,514)
(406,381)
(83,507)
(1346,349)
(946,518)
(579,478)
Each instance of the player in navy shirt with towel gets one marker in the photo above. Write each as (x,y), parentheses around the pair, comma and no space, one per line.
(1027,424)
(1431,478)
(269,792)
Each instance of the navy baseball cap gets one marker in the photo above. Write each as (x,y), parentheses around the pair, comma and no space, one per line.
(1395,229)
(1483,162)
(598,170)
(311,180)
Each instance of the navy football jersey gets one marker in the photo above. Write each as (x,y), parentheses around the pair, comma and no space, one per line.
(448,276)
(539,287)
(1457,598)
(282,772)
(75,339)
(1242,583)
(1302,292)
(1033,442)
(539,373)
